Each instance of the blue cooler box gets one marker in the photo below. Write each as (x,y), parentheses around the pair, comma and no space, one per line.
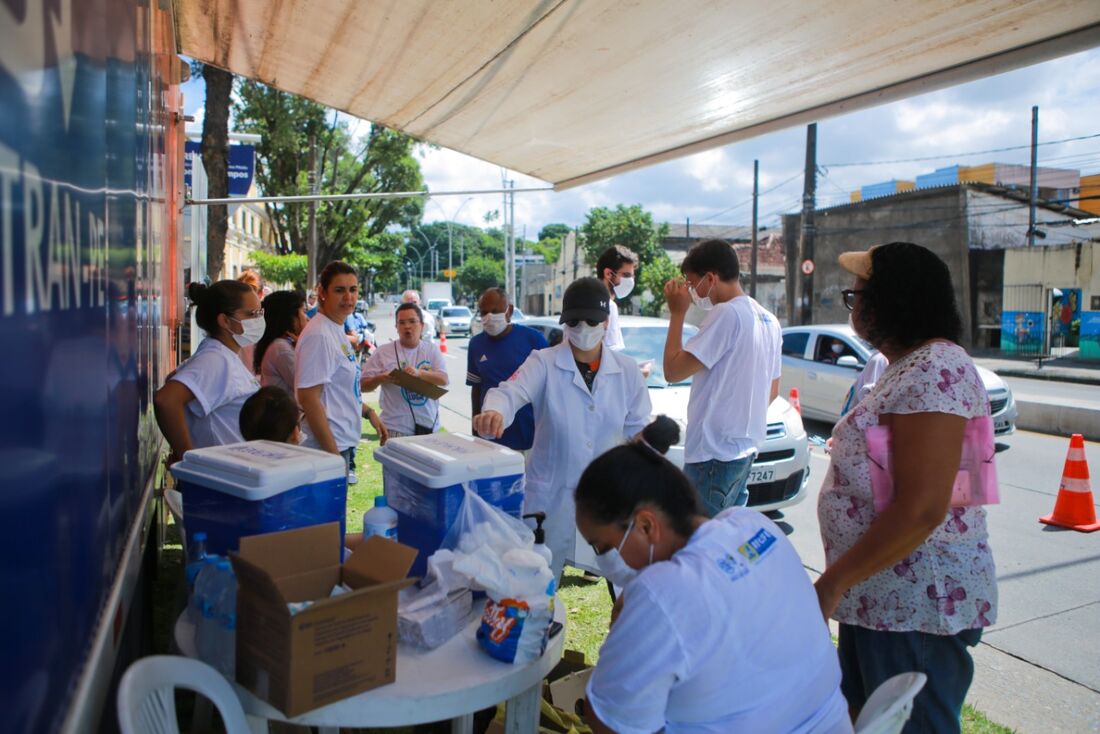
(243,489)
(423,478)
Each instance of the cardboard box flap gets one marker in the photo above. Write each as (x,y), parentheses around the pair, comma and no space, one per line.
(377,560)
(291,552)
(256,580)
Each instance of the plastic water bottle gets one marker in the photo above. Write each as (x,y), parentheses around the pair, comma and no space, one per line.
(225,631)
(207,588)
(380,520)
(196,551)
(201,593)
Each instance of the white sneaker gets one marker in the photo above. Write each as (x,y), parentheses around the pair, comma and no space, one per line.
(352,479)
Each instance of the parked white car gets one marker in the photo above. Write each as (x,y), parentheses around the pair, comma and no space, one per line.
(823,385)
(781,470)
(455,320)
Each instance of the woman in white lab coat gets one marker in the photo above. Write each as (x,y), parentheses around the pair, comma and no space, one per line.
(586,400)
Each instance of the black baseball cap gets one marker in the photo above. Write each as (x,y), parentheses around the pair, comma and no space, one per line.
(585,299)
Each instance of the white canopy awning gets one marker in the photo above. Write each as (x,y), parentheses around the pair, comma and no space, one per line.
(570,91)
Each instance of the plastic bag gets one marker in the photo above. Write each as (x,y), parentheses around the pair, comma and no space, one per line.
(488,550)
(975,483)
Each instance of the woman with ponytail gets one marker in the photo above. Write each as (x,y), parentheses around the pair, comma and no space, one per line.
(200,403)
(718,629)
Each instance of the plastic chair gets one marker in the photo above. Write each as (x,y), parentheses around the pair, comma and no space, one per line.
(146,695)
(890,705)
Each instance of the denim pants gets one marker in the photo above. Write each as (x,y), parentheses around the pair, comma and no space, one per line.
(721,484)
(870,657)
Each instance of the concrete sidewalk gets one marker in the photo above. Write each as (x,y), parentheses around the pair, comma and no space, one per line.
(1059,396)
(1061,369)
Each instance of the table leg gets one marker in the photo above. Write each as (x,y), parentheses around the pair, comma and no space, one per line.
(522,715)
(463,724)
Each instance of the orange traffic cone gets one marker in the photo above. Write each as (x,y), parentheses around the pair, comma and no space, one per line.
(795,401)
(443,341)
(1074,509)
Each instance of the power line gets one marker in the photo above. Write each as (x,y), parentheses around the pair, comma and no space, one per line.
(955,155)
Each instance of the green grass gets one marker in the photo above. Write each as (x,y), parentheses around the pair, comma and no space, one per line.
(975,722)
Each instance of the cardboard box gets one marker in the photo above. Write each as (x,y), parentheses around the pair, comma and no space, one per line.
(339,646)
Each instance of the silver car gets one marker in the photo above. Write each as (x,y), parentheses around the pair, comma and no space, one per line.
(781,470)
(823,378)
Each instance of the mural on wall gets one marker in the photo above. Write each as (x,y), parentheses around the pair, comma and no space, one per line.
(1067,316)
(1090,335)
(1022,332)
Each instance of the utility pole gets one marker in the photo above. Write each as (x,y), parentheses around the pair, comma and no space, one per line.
(1034,197)
(312,249)
(806,248)
(510,241)
(755,195)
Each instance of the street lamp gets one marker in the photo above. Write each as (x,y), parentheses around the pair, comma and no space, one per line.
(450,222)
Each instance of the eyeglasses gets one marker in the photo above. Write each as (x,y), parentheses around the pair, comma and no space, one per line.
(572,323)
(252,314)
(849,297)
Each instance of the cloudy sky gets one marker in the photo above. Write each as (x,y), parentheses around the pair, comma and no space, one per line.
(715,187)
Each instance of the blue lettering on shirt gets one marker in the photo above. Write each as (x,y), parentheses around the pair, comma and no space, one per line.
(757,545)
(733,566)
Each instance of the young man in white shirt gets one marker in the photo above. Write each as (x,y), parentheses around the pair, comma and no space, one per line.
(615,267)
(734,362)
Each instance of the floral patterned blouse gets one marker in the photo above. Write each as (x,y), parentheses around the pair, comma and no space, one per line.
(948,584)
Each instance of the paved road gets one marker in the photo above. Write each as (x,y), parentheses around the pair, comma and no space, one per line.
(1038,668)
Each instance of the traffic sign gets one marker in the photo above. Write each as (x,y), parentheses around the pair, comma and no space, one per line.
(807,267)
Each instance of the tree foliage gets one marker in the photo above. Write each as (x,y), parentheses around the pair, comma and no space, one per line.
(651,283)
(480,273)
(554,232)
(381,257)
(630,226)
(380,160)
(290,269)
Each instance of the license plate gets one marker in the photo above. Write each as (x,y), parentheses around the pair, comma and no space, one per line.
(759,476)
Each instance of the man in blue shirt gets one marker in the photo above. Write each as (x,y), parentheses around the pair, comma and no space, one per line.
(494,355)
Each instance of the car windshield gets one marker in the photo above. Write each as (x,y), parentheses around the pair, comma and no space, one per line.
(456,311)
(645,343)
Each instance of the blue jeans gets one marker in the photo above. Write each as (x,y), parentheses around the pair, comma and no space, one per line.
(870,657)
(721,484)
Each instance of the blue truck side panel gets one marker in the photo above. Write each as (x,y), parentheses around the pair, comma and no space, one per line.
(86,258)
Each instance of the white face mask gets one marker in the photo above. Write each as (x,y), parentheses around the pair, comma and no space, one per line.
(494,323)
(838,348)
(702,302)
(612,565)
(583,336)
(253,331)
(625,286)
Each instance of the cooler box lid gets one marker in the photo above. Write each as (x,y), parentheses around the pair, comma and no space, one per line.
(443,459)
(257,470)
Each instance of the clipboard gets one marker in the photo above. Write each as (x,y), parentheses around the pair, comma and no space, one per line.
(417,385)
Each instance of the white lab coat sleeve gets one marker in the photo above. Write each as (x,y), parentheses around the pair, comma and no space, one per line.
(640,661)
(639,409)
(526,386)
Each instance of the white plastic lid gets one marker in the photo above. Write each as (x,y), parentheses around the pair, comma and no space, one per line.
(442,459)
(257,470)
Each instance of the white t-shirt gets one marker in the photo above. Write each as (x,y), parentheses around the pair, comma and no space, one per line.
(398,404)
(324,357)
(726,636)
(220,383)
(739,346)
(277,368)
(613,337)
(429,325)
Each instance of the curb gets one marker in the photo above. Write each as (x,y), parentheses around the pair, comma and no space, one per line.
(1058,420)
(1053,376)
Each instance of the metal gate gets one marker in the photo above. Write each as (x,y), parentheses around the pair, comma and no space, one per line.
(1025,320)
